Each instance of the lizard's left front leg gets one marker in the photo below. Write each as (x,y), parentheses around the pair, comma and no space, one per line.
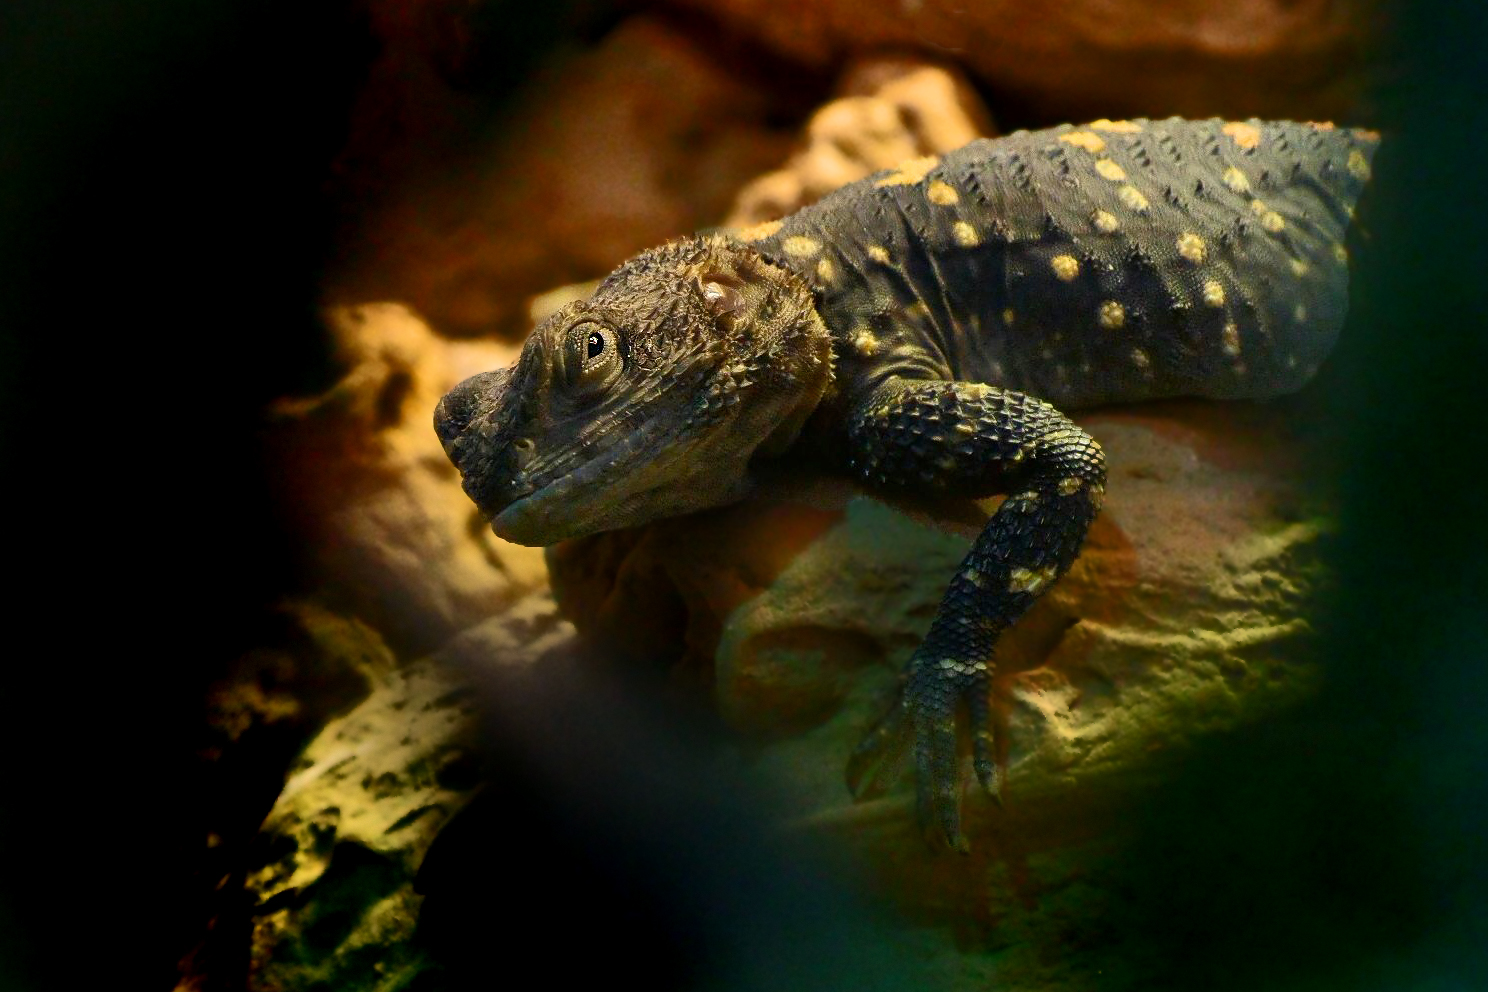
(967,439)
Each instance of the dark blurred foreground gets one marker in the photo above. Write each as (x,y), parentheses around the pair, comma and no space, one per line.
(163,204)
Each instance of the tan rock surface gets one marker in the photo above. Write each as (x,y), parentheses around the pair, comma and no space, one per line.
(1095,58)
(332,901)
(1185,617)
(889,110)
(388,531)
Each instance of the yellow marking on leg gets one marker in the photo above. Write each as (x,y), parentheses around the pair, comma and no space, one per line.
(1107,169)
(1070,484)
(1132,199)
(1192,247)
(909,172)
(1235,180)
(1244,135)
(879,254)
(1230,338)
(1112,315)
(1358,165)
(1065,267)
(1088,140)
(1104,222)
(1008,316)
(801,247)
(759,232)
(1030,580)
(1214,293)
(865,344)
(1117,127)
(941,193)
(965,235)
(826,271)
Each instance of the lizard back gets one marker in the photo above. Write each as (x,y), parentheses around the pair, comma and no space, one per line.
(1112,262)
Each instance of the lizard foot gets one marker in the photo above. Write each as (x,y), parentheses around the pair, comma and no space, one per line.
(924,715)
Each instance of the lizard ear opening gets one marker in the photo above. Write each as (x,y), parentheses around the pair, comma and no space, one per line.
(723,301)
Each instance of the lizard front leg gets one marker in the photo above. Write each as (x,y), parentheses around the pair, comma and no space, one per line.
(968,439)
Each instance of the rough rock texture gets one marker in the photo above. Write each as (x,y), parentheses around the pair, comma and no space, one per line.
(889,110)
(1184,618)
(604,153)
(367,483)
(332,903)
(1096,58)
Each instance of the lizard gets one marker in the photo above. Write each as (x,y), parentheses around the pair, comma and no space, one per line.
(925,330)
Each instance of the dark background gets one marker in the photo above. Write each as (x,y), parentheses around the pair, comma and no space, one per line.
(164,222)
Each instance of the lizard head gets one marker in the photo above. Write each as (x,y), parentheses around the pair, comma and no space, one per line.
(646,400)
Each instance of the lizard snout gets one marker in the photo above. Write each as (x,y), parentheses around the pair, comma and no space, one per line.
(461,405)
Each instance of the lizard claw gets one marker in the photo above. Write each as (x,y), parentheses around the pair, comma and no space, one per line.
(924,715)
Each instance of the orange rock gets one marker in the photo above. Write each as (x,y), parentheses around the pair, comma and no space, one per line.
(1083,59)
(1185,616)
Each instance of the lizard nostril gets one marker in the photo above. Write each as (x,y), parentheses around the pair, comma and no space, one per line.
(523,444)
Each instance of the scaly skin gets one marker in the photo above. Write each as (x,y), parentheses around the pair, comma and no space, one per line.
(901,329)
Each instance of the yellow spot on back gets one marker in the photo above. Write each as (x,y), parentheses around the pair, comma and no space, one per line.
(1244,135)
(1270,219)
(1299,267)
(1235,180)
(1119,127)
(1358,165)
(1132,198)
(941,193)
(1007,316)
(1112,315)
(1191,247)
(879,254)
(965,234)
(1065,267)
(1104,222)
(1230,338)
(1214,293)
(801,247)
(865,343)
(1107,169)
(826,271)
(909,172)
(1088,140)
(759,232)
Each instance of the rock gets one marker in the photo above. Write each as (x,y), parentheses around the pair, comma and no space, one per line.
(603,153)
(889,110)
(1094,58)
(1184,618)
(332,900)
(388,532)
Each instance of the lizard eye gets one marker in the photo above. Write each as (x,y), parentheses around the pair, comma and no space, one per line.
(593,355)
